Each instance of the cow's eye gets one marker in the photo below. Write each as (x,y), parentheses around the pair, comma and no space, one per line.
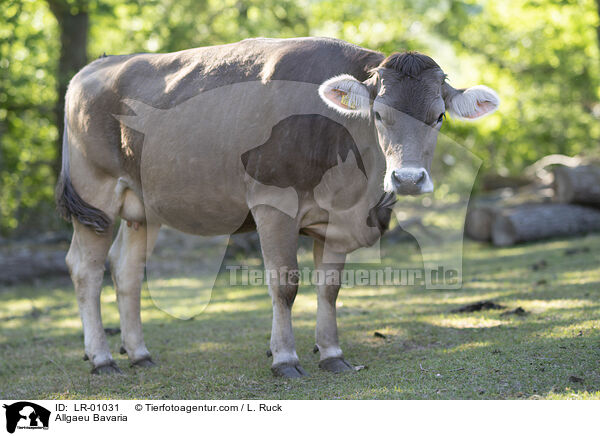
(377,116)
(441,117)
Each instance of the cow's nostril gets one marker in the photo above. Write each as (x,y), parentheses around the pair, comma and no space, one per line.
(411,181)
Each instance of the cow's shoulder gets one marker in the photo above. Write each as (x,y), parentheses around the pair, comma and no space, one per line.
(314,59)
(299,151)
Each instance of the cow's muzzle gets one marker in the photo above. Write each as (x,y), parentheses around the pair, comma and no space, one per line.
(411,181)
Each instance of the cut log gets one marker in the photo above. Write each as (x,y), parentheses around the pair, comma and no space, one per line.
(532,222)
(478,223)
(481,213)
(492,182)
(577,185)
(27,265)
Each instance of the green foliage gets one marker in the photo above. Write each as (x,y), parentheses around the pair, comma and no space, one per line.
(540,55)
(28,53)
(171,25)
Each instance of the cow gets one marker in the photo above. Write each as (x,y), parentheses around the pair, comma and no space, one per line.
(311,136)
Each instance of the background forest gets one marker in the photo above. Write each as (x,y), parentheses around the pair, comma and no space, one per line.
(542,56)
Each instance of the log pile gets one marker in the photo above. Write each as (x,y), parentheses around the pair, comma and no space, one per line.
(533,222)
(570,207)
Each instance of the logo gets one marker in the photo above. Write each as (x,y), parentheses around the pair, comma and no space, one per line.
(26,415)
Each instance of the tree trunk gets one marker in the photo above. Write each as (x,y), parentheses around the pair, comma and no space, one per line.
(73,22)
(532,222)
(577,185)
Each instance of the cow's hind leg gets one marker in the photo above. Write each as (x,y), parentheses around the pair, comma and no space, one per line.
(279,241)
(85,260)
(127,259)
(331,357)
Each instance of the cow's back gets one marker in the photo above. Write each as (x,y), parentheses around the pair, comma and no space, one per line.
(167,81)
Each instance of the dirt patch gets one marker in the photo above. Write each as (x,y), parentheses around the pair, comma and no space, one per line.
(112,331)
(477,307)
(519,311)
(572,251)
(539,265)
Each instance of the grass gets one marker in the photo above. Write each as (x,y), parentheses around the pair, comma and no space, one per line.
(428,352)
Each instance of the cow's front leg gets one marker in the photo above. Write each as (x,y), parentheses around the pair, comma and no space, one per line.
(279,241)
(331,357)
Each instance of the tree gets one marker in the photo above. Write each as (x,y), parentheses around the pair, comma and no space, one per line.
(73,22)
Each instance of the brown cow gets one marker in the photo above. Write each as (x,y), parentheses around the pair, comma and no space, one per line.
(288,136)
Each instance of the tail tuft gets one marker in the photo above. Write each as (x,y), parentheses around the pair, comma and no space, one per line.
(68,201)
(70,204)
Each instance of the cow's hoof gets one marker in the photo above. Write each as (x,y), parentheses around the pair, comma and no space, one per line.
(336,365)
(108,368)
(145,362)
(288,370)
(85,357)
(122,350)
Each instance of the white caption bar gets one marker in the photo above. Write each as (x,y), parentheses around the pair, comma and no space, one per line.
(160,417)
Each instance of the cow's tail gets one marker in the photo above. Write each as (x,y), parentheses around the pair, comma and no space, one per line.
(68,201)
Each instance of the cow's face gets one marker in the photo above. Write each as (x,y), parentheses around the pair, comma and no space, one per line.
(405,100)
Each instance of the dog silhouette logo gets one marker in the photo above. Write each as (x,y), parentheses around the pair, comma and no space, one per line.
(26,415)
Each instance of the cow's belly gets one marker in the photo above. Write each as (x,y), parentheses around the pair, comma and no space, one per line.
(200,215)
(195,192)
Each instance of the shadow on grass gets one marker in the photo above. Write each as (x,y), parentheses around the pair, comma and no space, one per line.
(427,352)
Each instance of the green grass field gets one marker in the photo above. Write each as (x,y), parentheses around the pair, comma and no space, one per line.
(428,352)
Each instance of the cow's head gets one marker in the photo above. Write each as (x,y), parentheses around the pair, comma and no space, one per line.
(406,99)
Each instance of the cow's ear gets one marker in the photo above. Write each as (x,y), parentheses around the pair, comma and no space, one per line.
(470,103)
(346,95)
